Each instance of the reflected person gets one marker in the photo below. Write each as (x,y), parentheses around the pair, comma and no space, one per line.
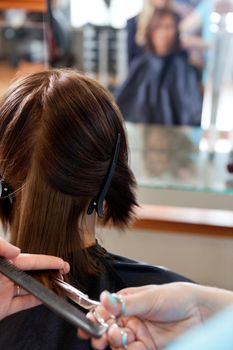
(136,27)
(162,87)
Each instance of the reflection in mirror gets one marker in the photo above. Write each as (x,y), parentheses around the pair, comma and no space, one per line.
(23,39)
(59,35)
(180,158)
(162,87)
(100,44)
(217,107)
(102,38)
(97,42)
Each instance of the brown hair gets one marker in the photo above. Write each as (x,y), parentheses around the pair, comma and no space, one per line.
(58,130)
(154,22)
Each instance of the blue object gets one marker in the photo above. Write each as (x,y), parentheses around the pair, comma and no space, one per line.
(204,9)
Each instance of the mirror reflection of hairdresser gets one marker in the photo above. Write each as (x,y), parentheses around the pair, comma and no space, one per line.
(136,26)
(162,87)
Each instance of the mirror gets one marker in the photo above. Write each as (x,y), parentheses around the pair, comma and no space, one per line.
(22,36)
(99,47)
(66,33)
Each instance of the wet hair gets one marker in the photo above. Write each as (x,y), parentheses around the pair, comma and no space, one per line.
(157,16)
(58,130)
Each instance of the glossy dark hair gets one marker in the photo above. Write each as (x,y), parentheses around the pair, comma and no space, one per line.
(58,130)
(157,16)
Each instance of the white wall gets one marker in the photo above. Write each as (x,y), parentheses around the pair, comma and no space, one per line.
(207,260)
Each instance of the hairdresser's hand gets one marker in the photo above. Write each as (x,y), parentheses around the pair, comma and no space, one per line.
(9,301)
(161,313)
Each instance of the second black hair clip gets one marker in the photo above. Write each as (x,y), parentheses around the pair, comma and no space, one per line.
(6,190)
(97,203)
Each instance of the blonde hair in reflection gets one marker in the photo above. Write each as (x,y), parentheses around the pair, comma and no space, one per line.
(143,20)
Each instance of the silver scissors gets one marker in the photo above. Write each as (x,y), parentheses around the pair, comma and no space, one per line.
(77,296)
(82,300)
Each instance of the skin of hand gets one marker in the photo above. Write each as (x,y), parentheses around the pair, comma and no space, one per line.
(155,315)
(191,23)
(10,304)
(193,41)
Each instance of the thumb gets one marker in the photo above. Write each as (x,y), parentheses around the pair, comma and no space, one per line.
(8,250)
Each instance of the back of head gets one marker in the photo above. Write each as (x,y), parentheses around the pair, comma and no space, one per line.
(58,129)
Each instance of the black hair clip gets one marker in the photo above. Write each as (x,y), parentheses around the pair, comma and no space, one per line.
(98,202)
(6,191)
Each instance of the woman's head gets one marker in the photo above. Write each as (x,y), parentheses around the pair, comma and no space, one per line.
(162,35)
(58,131)
(160,4)
(144,17)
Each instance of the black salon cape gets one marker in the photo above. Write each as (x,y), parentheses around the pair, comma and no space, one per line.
(161,90)
(40,329)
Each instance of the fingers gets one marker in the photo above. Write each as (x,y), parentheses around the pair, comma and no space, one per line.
(137,345)
(99,313)
(40,262)
(114,303)
(101,316)
(7,250)
(82,334)
(118,338)
(130,332)
(32,261)
(130,301)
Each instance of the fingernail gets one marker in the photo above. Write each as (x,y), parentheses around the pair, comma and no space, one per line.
(114,325)
(88,315)
(124,339)
(67,266)
(111,298)
(65,269)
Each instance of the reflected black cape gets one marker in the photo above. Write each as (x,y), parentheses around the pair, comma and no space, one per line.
(40,329)
(161,90)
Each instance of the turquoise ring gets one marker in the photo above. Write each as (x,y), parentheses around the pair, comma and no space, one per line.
(119,298)
(124,339)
